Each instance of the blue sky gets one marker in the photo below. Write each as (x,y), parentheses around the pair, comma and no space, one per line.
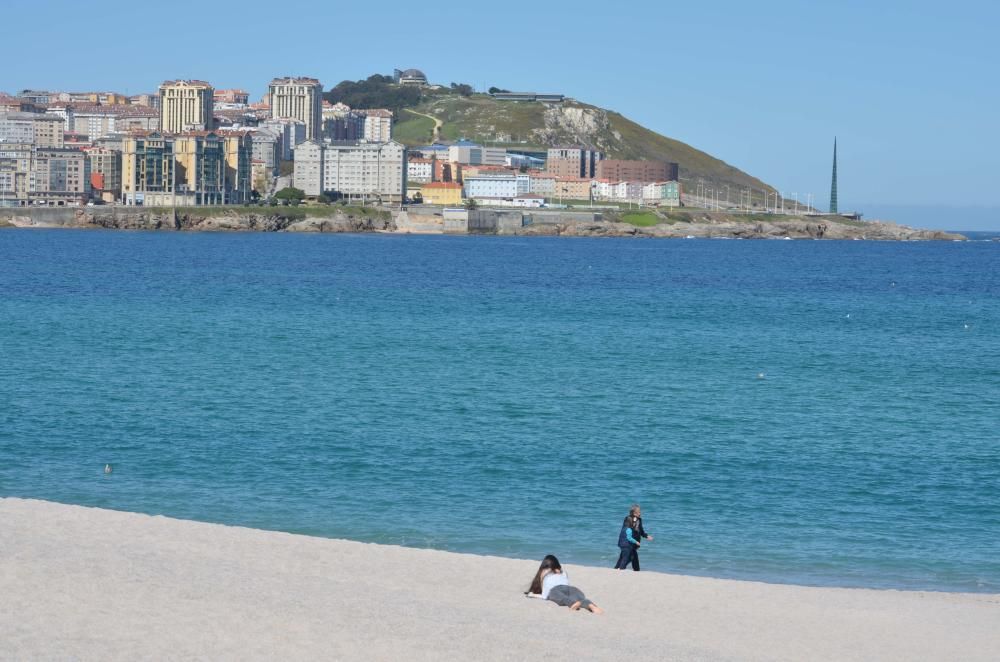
(909,88)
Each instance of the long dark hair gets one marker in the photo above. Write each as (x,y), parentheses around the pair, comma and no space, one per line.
(548,563)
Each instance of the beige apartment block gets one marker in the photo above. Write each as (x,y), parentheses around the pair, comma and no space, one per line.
(238,149)
(572,188)
(301,99)
(15,173)
(573,162)
(61,177)
(48,131)
(186,105)
(378,125)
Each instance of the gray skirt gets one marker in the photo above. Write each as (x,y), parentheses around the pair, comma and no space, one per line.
(565,596)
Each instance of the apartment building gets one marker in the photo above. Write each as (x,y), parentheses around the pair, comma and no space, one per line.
(17,127)
(420,170)
(470,153)
(574,162)
(573,188)
(98,122)
(666,194)
(349,126)
(231,97)
(15,173)
(291,131)
(238,149)
(60,177)
(298,98)
(356,171)
(186,105)
(378,125)
(542,184)
(105,173)
(618,170)
(266,148)
(193,168)
(492,186)
(448,194)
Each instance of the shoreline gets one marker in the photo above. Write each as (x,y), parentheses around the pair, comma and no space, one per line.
(490,222)
(91,583)
(768,580)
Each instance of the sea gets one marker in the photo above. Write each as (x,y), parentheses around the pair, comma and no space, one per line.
(809,412)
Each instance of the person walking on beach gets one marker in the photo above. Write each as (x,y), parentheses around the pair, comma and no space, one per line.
(552,583)
(629,539)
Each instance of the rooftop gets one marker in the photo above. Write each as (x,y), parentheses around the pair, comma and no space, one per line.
(293,80)
(184,83)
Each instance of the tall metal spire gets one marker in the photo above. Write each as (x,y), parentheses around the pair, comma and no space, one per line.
(833,182)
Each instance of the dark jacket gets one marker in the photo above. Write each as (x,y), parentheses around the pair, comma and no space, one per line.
(638,533)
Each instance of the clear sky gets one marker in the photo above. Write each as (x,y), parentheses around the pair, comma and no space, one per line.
(909,88)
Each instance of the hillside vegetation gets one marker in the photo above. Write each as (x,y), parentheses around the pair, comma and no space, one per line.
(535,126)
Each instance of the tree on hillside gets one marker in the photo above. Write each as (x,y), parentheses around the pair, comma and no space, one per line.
(494,90)
(377,91)
(463,88)
(290,193)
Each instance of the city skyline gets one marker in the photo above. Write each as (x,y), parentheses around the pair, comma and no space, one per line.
(763,88)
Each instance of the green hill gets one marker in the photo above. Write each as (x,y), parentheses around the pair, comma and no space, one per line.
(536,126)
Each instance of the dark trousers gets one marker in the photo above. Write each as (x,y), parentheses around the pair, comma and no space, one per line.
(628,555)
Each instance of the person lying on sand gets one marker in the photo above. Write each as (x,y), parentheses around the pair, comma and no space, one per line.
(552,583)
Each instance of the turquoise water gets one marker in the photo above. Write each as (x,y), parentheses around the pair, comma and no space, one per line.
(513,397)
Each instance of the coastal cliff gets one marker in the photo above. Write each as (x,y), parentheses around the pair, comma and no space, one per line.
(362,219)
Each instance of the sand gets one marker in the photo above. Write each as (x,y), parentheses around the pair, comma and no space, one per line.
(93,584)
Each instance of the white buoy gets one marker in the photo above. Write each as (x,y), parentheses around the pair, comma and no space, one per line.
(760,375)
(966,327)
(107,468)
(848,316)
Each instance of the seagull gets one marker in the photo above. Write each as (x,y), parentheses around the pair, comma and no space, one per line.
(847,316)
(760,375)
(107,468)
(966,327)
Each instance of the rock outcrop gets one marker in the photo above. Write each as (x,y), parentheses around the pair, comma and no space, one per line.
(226,221)
(705,225)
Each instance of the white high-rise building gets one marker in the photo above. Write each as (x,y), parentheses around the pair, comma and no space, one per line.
(186,105)
(356,171)
(301,99)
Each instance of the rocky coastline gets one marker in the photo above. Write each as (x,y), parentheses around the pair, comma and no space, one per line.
(714,226)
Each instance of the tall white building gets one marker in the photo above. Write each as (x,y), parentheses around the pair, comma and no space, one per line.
(301,99)
(356,171)
(378,125)
(186,105)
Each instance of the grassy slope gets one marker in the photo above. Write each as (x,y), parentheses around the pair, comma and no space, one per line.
(523,125)
(414,129)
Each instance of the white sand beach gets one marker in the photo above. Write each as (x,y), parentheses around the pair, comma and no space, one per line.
(92,584)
